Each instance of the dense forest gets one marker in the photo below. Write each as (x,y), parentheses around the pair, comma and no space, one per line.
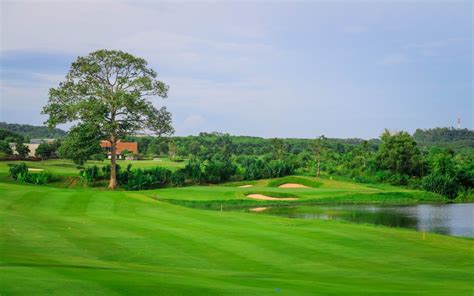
(33,132)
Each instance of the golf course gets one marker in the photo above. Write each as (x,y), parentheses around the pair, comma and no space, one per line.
(170,241)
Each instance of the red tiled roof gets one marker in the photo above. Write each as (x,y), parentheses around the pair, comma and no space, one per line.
(121,146)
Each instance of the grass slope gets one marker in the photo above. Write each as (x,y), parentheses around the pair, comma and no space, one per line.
(90,242)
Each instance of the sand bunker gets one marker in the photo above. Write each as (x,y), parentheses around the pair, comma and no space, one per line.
(258,209)
(35,170)
(292,185)
(245,186)
(264,197)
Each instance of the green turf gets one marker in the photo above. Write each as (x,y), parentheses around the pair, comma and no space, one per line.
(57,241)
(67,168)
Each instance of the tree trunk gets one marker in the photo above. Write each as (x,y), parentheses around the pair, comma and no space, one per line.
(113,163)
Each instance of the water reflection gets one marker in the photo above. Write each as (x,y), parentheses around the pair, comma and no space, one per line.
(451,219)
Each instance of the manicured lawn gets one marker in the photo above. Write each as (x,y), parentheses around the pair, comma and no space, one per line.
(64,167)
(56,241)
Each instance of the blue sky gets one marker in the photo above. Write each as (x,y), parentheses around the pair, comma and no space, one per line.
(302,69)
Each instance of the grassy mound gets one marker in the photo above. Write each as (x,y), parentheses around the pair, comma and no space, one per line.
(295,179)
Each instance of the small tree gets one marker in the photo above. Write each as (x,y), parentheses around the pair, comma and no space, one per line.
(109,90)
(5,148)
(45,150)
(22,149)
(82,143)
(399,153)
(319,146)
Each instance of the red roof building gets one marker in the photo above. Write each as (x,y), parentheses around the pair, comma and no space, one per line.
(121,146)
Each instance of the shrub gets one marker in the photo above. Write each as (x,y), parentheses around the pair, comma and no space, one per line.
(217,171)
(178,178)
(442,184)
(41,178)
(141,179)
(20,173)
(90,174)
(18,169)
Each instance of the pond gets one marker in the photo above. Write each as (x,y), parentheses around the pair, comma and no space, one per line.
(449,219)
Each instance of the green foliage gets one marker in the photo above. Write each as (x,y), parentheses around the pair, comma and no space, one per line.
(82,143)
(20,173)
(399,154)
(109,89)
(30,131)
(22,149)
(90,174)
(18,169)
(442,184)
(141,179)
(5,148)
(46,150)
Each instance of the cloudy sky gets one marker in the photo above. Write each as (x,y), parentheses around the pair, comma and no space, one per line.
(344,69)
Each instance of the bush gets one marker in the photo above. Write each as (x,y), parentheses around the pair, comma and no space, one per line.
(41,178)
(17,170)
(442,184)
(20,173)
(142,179)
(90,174)
(178,178)
(217,171)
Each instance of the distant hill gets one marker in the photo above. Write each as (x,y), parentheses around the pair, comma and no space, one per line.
(459,140)
(32,131)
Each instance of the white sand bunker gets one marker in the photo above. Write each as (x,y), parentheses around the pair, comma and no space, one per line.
(35,170)
(293,185)
(258,209)
(245,186)
(264,197)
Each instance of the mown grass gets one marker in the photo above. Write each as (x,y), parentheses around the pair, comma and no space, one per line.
(91,242)
(63,167)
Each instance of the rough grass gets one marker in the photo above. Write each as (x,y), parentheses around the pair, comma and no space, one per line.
(90,242)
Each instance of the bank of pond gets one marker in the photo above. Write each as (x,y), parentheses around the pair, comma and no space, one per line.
(449,219)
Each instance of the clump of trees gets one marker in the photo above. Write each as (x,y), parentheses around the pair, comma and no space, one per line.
(395,158)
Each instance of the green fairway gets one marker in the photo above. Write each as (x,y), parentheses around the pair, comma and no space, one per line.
(95,242)
(64,167)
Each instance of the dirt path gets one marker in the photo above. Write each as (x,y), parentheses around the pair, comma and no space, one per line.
(293,185)
(245,186)
(264,197)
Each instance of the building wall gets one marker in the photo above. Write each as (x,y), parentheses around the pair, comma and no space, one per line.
(32,148)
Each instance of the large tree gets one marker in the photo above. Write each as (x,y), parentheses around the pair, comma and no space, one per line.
(110,90)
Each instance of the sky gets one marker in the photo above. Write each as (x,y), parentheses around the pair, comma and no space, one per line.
(260,68)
